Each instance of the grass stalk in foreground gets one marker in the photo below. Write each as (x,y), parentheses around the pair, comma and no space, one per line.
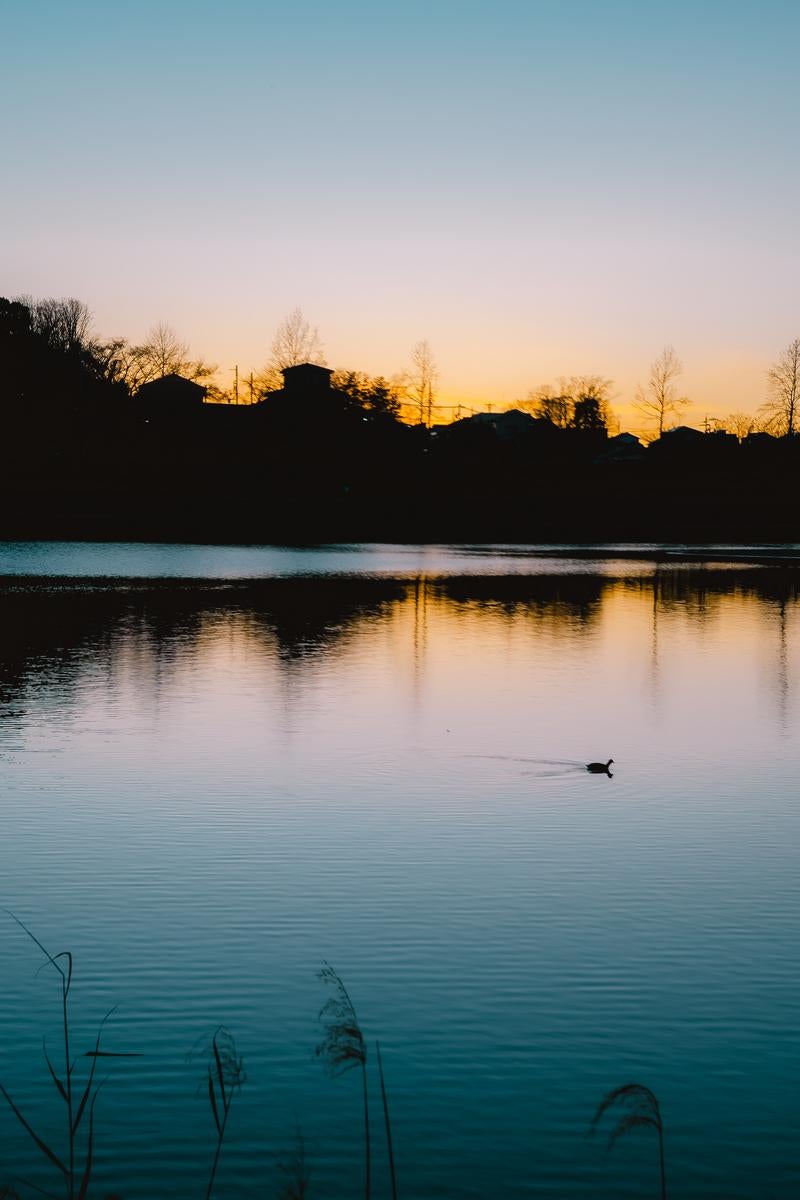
(296,1171)
(389,1145)
(78,1101)
(225,1075)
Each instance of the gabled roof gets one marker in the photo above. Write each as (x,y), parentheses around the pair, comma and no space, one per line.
(174,384)
(684,433)
(309,379)
(306,371)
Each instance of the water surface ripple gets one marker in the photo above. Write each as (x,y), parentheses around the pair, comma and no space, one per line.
(209,789)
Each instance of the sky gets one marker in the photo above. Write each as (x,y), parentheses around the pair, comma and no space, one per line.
(537,187)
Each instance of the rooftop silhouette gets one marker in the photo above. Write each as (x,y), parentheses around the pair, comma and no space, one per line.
(99,451)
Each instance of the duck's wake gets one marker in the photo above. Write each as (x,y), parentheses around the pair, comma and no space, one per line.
(540,768)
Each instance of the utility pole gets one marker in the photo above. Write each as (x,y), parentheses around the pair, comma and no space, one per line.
(236,384)
(252,401)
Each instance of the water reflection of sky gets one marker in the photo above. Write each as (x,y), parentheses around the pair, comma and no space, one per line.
(647,641)
(170,561)
(208,790)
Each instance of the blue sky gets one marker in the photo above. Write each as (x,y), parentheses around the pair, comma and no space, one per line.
(538,188)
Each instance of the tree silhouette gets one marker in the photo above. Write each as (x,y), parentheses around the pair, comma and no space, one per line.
(783,379)
(577,401)
(658,399)
(374,396)
(165,350)
(553,404)
(63,325)
(590,395)
(422,379)
(295,342)
(738,423)
(587,415)
(162,353)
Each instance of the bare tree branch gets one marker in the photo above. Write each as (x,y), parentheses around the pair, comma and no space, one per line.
(783,381)
(295,342)
(658,400)
(421,381)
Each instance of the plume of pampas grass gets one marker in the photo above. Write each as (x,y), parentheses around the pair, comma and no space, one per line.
(344,1048)
(639,1110)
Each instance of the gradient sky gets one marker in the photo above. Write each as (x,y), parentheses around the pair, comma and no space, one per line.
(538,187)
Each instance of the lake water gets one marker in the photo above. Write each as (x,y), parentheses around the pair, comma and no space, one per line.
(223,766)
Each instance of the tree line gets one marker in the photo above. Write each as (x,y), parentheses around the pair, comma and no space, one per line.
(583,402)
(84,455)
(63,327)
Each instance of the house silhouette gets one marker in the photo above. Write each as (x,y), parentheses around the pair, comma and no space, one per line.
(171,396)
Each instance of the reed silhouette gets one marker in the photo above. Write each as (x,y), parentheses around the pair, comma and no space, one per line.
(640,1110)
(343,1048)
(76,1171)
(389,1142)
(633,1105)
(295,1171)
(226,1074)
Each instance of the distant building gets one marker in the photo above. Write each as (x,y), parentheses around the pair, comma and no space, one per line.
(171,396)
(721,437)
(506,425)
(684,435)
(306,384)
(680,441)
(306,401)
(626,441)
(622,448)
(306,379)
(685,444)
(760,439)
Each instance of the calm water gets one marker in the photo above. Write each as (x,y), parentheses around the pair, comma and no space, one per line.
(374,757)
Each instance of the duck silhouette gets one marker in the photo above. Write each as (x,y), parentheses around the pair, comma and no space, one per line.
(600,768)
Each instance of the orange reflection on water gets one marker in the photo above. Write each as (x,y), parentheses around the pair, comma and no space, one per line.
(572,667)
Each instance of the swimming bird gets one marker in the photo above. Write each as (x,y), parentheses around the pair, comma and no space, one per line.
(599,768)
